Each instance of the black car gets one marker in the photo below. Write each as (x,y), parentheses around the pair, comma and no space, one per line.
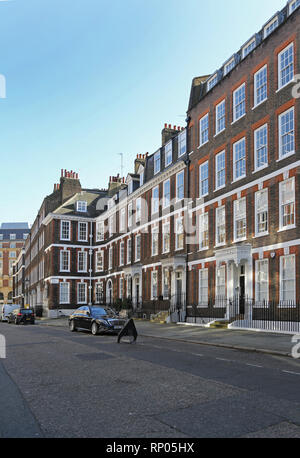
(98,320)
(18,316)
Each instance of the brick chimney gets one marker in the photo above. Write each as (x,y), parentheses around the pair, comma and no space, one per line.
(168,132)
(69,184)
(140,160)
(115,184)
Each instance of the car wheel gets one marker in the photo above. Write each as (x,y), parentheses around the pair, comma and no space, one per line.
(72,326)
(95,329)
(16,321)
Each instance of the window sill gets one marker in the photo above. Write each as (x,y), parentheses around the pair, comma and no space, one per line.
(236,120)
(240,240)
(260,168)
(286,85)
(286,156)
(223,130)
(263,234)
(203,144)
(203,249)
(221,187)
(220,245)
(259,104)
(287,228)
(238,179)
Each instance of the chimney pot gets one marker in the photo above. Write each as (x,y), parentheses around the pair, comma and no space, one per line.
(170,126)
(174,127)
(166,125)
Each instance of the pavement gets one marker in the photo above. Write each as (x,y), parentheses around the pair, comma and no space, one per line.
(251,341)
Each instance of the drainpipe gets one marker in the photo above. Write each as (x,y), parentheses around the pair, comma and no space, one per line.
(187,162)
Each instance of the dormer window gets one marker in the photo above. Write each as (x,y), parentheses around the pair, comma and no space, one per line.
(270,27)
(142,177)
(212,82)
(157,163)
(248,48)
(130,187)
(293,5)
(168,154)
(229,66)
(81,206)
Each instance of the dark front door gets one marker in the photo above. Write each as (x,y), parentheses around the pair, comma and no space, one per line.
(242,294)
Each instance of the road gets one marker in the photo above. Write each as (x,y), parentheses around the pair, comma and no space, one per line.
(56,384)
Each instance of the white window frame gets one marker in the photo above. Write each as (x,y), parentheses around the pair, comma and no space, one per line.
(157,164)
(99,266)
(220,295)
(258,147)
(182,141)
(282,279)
(258,86)
(259,288)
(138,210)
(79,285)
(154,275)
(155,201)
(122,254)
(235,161)
(181,188)
(168,153)
(110,257)
(62,268)
(264,209)
(222,111)
(166,201)
(293,5)
(84,254)
(270,27)
(229,66)
(236,104)
(203,179)
(137,254)
(129,250)
(166,238)
(280,70)
(63,294)
(287,202)
(154,240)
(100,230)
(212,82)
(130,214)
(237,217)
(280,134)
(61,230)
(249,47)
(203,229)
(123,220)
(81,206)
(218,170)
(81,224)
(219,210)
(204,128)
(179,235)
(203,288)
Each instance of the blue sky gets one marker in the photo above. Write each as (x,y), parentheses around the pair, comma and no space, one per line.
(89,79)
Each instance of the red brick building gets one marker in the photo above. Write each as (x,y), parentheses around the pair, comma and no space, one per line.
(209,220)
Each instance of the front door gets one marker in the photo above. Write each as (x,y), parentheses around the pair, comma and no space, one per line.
(242,291)
(179,289)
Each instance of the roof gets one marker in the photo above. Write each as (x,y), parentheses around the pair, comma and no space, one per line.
(14,226)
(91,197)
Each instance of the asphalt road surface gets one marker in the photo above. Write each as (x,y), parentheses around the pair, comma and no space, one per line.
(56,384)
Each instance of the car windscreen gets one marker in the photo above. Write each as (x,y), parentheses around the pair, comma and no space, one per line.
(100,312)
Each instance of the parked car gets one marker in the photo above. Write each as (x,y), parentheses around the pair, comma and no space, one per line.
(98,320)
(6,309)
(18,316)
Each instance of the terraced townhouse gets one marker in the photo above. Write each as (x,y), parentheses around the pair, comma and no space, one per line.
(207,222)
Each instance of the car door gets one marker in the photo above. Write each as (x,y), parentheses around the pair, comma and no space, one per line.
(79,318)
(87,319)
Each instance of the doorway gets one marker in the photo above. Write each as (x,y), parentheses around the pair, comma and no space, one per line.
(242,285)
